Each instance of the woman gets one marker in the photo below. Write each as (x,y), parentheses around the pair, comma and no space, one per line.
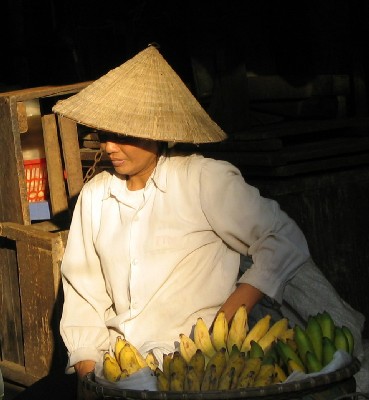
(157,243)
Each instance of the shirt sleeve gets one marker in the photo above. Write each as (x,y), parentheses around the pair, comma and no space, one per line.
(86,302)
(252,225)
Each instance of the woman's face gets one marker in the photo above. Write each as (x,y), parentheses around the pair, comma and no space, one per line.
(133,157)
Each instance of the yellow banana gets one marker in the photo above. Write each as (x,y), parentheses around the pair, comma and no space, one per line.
(289,334)
(275,332)
(202,338)
(238,329)
(220,331)
(314,331)
(192,381)
(140,359)
(210,380)
(167,359)
(219,360)
(151,361)
(198,363)
(120,341)
(293,366)
(227,379)
(350,338)
(128,360)
(249,372)
(279,374)
(187,347)
(265,376)
(163,381)
(178,365)
(176,382)
(233,369)
(256,332)
(111,369)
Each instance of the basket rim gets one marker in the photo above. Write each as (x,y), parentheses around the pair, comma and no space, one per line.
(276,389)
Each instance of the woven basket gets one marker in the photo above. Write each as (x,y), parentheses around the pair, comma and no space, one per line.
(323,387)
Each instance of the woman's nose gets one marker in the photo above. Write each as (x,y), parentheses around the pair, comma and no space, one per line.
(111,147)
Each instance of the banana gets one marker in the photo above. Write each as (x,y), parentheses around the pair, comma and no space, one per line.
(272,355)
(198,363)
(176,383)
(275,332)
(293,366)
(327,324)
(303,342)
(167,359)
(328,350)
(350,338)
(202,338)
(140,359)
(249,372)
(177,365)
(286,353)
(219,360)
(192,381)
(233,369)
(210,380)
(312,362)
(256,332)
(279,374)
(163,381)
(314,331)
(111,369)
(151,361)
(289,334)
(128,360)
(265,376)
(256,350)
(340,340)
(187,347)
(220,331)
(120,341)
(238,329)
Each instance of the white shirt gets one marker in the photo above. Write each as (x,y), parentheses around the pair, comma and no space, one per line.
(148,263)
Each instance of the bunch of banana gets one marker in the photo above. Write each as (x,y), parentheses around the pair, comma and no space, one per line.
(125,361)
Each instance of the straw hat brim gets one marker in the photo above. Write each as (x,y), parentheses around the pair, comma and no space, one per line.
(144,98)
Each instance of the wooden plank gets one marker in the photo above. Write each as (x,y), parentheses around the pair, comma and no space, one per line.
(71,152)
(17,373)
(37,304)
(10,322)
(58,196)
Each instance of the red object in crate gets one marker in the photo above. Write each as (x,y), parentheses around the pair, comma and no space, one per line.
(36,179)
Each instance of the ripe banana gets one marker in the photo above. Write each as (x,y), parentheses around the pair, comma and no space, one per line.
(350,338)
(227,379)
(198,363)
(249,372)
(265,376)
(192,381)
(128,360)
(289,334)
(177,365)
(303,343)
(219,360)
(176,383)
(120,341)
(233,369)
(328,350)
(187,347)
(238,329)
(220,331)
(151,361)
(340,340)
(163,381)
(167,359)
(202,338)
(111,369)
(210,380)
(293,366)
(312,363)
(256,332)
(279,374)
(314,331)
(275,332)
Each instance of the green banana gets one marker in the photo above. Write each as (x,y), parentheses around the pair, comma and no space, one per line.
(286,353)
(327,324)
(312,363)
(340,340)
(255,350)
(350,338)
(314,331)
(303,342)
(328,350)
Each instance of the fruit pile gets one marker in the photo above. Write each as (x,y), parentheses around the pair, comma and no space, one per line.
(234,357)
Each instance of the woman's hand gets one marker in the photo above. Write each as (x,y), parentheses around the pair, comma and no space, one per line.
(82,368)
(244,294)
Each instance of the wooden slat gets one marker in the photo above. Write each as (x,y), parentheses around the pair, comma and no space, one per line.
(58,196)
(17,373)
(72,160)
(37,304)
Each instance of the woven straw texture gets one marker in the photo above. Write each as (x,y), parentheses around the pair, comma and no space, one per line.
(144,98)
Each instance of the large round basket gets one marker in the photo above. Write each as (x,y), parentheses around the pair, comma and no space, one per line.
(323,387)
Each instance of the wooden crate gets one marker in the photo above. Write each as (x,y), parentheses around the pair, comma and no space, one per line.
(30,300)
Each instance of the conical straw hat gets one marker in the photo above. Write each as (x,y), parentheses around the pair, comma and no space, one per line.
(143,98)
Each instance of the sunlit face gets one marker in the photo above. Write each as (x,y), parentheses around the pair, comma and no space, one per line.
(133,157)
